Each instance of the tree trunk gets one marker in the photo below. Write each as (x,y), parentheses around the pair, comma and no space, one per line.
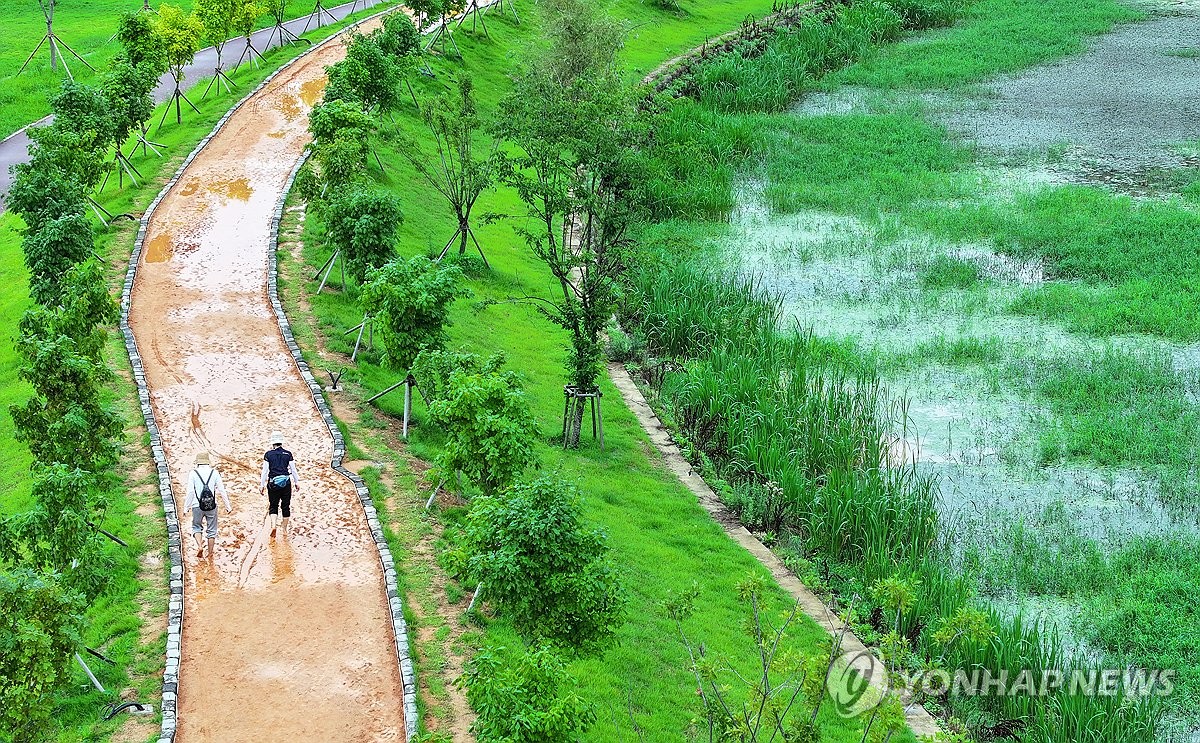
(462,243)
(575,421)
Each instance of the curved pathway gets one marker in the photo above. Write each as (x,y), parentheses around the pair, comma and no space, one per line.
(286,638)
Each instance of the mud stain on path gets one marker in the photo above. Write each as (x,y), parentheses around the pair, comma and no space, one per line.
(286,638)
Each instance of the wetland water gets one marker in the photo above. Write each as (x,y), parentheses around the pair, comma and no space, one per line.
(1123,115)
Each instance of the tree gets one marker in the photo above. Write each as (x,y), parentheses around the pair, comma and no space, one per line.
(457,173)
(180,34)
(543,567)
(217,19)
(340,142)
(66,419)
(409,302)
(524,696)
(780,700)
(578,167)
(144,47)
(490,432)
(127,88)
(58,534)
(39,628)
(426,11)
(245,18)
(367,75)
(362,226)
(398,37)
(41,194)
(52,249)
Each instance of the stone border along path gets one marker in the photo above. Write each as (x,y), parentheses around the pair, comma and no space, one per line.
(395,603)
(174,534)
(918,718)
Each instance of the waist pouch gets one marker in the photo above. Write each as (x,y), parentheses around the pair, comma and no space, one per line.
(281,481)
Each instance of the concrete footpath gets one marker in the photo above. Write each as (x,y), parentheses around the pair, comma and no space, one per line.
(15,149)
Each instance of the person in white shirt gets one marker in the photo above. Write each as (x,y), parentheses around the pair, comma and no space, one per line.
(203,505)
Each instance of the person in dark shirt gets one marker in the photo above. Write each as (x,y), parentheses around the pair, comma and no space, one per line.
(279,481)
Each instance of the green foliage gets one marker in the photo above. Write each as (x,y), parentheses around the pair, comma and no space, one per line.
(127,89)
(66,420)
(179,34)
(368,76)
(580,138)
(41,195)
(409,303)
(967,625)
(426,11)
(897,595)
(433,369)
(485,417)
(457,173)
(216,16)
(341,135)
(245,16)
(524,696)
(39,628)
(362,224)
(534,557)
(56,536)
(52,250)
(143,46)
(399,37)
(85,111)
(780,699)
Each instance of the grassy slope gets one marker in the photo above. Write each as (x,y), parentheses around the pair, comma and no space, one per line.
(661,538)
(87,27)
(113,623)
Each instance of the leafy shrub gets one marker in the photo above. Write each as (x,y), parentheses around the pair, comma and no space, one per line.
(535,558)
(38,630)
(362,224)
(524,697)
(490,431)
(410,302)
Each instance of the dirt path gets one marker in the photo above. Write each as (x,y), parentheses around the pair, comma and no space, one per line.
(285,639)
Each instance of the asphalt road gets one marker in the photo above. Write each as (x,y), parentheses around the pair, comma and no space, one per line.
(15,149)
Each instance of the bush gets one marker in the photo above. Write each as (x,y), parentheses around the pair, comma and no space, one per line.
(362,224)
(410,303)
(524,697)
(490,431)
(534,557)
(38,630)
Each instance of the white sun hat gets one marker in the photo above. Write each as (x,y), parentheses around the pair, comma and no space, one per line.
(276,438)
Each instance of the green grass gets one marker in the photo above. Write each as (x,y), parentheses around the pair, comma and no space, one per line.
(14,298)
(948,272)
(995,36)
(87,26)
(660,537)
(1115,407)
(1136,603)
(113,624)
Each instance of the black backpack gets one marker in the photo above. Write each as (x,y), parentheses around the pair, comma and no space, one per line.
(208,499)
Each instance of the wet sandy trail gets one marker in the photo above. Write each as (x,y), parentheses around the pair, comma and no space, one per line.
(284,639)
